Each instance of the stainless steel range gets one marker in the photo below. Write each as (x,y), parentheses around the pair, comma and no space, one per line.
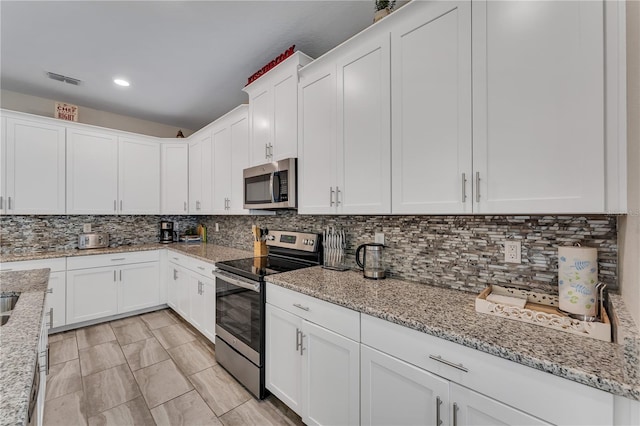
(240,303)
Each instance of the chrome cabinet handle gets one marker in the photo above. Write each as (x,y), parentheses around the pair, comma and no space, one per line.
(266,151)
(185,206)
(477,187)
(449,363)
(176,259)
(298,344)
(270,150)
(114,205)
(49,290)
(118,259)
(331,191)
(302,336)
(50,321)
(114,275)
(202,268)
(464,187)
(1,202)
(9,204)
(120,205)
(48,357)
(120,274)
(338,196)
(455,414)
(438,404)
(175,274)
(299,306)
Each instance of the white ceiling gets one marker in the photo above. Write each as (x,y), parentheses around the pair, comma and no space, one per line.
(187,61)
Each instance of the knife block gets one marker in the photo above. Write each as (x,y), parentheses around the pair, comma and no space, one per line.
(260,248)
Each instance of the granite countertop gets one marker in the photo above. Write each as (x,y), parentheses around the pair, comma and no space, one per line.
(19,342)
(450,315)
(207,252)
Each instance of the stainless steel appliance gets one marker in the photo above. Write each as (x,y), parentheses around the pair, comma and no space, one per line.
(271,185)
(240,303)
(371,264)
(166,232)
(93,240)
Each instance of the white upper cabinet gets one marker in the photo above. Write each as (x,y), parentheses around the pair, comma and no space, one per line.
(200,174)
(92,172)
(139,176)
(230,158)
(3,166)
(364,139)
(431,109)
(318,141)
(174,179)
(538,107)
(344,161)
(33,168)
(273,112)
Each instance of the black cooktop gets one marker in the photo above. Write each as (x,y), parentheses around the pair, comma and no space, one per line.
(256,268)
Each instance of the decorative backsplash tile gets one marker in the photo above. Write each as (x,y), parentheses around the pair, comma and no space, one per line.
(463,252)
(24,234)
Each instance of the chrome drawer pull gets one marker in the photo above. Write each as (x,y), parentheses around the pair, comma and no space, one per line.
(202,268)
(49,290)
(118,259)
(449,363)
(455,414)
(299,306)
(438,404)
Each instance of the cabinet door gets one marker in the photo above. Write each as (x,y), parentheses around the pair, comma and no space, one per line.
(173,286)
(184,289)
(285,118)
(92,172)
(538,108)
(330,377)
(261,116)
(197,304)
(35,168)
(3,165)
(57,298)
(91,294)
(239,162)
(207,319)
(139,172)
(195,177)
(364,138)
(283,357)
(396,393)
(471,408)
(138,286)
(317,143)
(431,110)
(222,168)
(175,178)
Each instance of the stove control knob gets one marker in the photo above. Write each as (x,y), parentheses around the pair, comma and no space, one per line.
(311,242)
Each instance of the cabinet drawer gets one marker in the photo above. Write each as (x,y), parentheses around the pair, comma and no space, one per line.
(101,260)
(56,265)
(535,392)
(177,258)
(203,268)
(336,318)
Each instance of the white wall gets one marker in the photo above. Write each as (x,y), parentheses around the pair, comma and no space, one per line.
(42,106)
(629,230)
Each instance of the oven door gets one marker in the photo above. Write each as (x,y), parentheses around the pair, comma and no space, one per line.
(240,314)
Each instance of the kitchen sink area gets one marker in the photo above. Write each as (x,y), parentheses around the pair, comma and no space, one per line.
(7,303)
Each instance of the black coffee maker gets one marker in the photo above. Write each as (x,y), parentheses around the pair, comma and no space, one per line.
(166,232)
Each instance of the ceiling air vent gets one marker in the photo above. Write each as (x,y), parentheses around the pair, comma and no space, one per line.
(64,78)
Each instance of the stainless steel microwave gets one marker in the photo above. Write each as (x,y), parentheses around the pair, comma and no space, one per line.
(271,185)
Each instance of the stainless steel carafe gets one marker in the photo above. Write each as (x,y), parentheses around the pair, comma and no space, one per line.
(371,263)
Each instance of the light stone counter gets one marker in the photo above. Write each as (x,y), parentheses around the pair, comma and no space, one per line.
(19,342)
(450,315)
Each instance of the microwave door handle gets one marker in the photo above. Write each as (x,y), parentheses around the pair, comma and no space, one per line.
(275,187)
(273,174)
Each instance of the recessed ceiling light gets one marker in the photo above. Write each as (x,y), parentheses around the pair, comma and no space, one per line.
(121,82)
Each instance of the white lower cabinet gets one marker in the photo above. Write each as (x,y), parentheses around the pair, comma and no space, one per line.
(56,300)
(192,292)
(312,369)
(130,282)
(394,392)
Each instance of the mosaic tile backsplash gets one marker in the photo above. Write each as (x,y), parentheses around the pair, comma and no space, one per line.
(25,234)
(463,252)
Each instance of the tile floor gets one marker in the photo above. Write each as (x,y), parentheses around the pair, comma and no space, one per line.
(145,370)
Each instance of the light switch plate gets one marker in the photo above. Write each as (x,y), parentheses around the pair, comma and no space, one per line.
(217,227)
(86,227)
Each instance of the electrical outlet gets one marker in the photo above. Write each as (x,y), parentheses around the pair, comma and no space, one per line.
(217,227)
(512,252)
(379,237)
(86,227)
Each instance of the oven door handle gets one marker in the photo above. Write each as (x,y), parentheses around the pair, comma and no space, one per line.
(249,285)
